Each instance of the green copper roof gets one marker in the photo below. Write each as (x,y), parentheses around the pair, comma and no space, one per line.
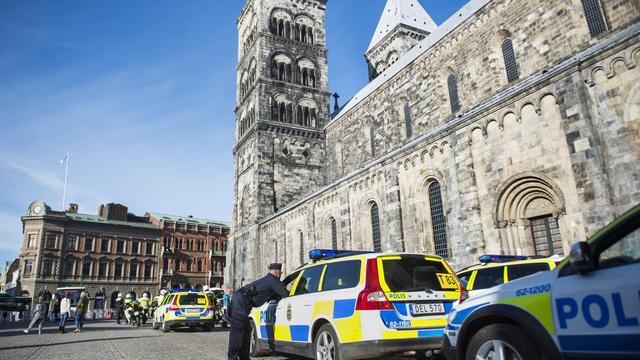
(100,220)
(187,219)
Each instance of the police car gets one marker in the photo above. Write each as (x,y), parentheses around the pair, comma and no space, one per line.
(588,307)
(359,305)
(499,269)
(183,309)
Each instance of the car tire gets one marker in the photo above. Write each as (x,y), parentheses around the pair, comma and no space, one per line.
(165,326)
(254,348)
(508,337)
(326,344)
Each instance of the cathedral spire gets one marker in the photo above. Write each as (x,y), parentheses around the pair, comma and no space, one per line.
(402,12)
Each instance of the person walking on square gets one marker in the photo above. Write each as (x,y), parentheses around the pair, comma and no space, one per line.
(38,316)
(253,295)
(54,308)
(65,310)
(81,310)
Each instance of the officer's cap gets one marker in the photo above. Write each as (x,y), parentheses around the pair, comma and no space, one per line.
(275,266)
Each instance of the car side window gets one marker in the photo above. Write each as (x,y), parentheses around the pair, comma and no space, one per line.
(342,275)
(522,270)
(489,277)
(625,251)
(309,281)
(289,281)
(464,278)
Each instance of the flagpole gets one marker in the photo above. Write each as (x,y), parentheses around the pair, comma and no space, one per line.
(66,175)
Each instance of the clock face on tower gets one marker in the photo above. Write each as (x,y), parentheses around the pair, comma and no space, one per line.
(37,210)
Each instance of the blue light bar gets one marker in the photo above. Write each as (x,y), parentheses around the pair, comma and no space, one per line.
(501,258)
(320,254)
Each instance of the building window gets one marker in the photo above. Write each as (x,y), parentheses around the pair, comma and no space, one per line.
(408,126)
(69,267)
(33,239)
(149,250)
(104,245)
(133,270)
(28,268)
(510,64)
(51,241)
(372,140)
(452,84)
(88,243)
(148,270)
(177,265)
(375,228)
(47,267)
(135,247)
(437,220)
(595,17)
(102,268)
(334,234)
(86,267)
(199,265)
(301,247)
(120,247)
(189,265)
(165,264)
(118,269)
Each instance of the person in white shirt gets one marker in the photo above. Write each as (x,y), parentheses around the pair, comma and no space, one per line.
(65,310)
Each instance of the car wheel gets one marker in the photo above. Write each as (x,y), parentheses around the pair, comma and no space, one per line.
(165,326)
(254,347)
(501,341)
(326,345)
(154,324)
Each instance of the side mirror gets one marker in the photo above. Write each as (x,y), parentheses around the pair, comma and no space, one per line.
(581,258)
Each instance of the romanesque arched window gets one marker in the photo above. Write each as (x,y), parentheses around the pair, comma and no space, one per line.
(306,73)
(510,64)
(281,68)
(392,58)
(133,269)
(303,30)
(334,233)
(86,266)
(301,235)
(595,17)
(438,223)
(452,85)
(281,23)
(282,109)
(408,124)
(307,113)
(375,227)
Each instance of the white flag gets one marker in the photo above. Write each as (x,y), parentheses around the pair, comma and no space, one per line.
(65,159)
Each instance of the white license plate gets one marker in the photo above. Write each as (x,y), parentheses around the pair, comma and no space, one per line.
(427,309)
(193,311)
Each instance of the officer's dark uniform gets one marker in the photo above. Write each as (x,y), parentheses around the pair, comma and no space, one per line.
(119,305)
(253,295)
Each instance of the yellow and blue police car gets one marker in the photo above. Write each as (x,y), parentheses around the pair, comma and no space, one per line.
(183,309)
(588,307)
(359,305)
(495,270)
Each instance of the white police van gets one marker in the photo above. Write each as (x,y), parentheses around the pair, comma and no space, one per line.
(587,308)
(359,305)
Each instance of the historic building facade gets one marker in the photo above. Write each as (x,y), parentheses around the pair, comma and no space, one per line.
(513,128)
(193,251)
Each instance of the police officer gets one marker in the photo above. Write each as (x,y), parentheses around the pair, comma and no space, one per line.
(253,295)
(119,306)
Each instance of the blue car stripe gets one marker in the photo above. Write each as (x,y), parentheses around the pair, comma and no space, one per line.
(614,343)
(299,332)
(431,333)
(462,314)
(344,308)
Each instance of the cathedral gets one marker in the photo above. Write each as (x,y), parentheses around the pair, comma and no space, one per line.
(511,128)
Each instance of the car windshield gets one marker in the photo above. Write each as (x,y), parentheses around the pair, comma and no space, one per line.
(192,299)
(412,273)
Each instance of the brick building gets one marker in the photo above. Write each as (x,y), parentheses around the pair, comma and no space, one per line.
(193,250)
(511,128)
(114,250)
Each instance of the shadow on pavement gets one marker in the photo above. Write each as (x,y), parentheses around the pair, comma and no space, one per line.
(70,342)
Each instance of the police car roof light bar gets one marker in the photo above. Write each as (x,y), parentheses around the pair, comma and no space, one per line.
(323,254)
(501,258)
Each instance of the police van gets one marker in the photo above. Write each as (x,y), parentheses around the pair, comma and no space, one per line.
(588,307)
(359,305)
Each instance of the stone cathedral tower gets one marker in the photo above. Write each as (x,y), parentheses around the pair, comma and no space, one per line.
(282,107)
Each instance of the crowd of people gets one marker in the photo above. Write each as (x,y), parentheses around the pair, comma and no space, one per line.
(59,310)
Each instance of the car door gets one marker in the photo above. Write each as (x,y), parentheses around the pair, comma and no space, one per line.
(298,308)
(273,323)
(598,312)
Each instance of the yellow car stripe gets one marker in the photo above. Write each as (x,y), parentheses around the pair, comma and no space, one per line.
(282,332)
(538,305)
(349,329)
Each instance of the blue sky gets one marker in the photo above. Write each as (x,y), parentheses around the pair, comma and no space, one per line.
(141,94)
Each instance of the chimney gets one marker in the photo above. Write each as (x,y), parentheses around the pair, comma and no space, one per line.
(73,208)
(113,211)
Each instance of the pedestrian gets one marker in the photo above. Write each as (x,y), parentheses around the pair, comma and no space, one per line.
(39,315)
(81,311)
(253,295)
(5,315)
(65,311)
(54,308)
